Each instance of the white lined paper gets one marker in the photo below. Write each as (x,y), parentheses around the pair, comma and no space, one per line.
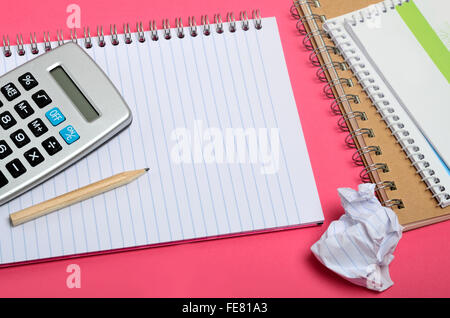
(220,79)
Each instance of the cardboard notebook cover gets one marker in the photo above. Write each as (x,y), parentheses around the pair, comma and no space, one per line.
(419,207)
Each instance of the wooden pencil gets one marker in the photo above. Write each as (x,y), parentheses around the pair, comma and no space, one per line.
(75,196)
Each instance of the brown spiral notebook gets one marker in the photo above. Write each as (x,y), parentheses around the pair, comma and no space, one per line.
(376,150)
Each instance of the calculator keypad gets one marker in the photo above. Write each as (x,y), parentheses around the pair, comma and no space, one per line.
(16,168)
(7,120)
(69,134)
(28,81)
(37,127)
(24,109)
(12,167)
(10,91)
(20,138)
(41,98)
(34,157)
(5,150)
(52,146)
(55,116)
(3,180)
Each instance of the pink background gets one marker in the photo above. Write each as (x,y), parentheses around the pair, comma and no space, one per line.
(266,265)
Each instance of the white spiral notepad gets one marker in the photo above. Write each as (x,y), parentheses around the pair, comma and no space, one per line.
(397,69)
(216,122)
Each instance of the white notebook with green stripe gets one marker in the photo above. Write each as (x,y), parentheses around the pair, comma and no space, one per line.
(399,51)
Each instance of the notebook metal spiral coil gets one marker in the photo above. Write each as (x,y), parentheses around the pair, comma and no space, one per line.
(387,113)
(155,34)
(321,74)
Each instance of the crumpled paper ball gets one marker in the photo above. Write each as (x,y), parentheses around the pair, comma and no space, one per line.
(360,245)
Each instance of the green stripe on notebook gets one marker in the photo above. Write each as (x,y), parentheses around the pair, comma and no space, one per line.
(426,36)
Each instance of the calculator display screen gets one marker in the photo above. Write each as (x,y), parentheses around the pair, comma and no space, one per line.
(74,93)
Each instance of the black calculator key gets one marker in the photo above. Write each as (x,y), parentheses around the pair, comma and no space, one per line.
(41,98)
(1,104)
(34,157)
(24,109)
(16,168)
(37,127)
(52,146)
(20,138)
(10,91)
(5,150)
(3,180)
(28,81)
(7,120)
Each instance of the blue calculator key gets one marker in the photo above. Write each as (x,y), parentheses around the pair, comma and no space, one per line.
(55,116)
(69,134)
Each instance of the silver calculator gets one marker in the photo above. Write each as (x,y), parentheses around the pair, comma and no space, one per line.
(54,110)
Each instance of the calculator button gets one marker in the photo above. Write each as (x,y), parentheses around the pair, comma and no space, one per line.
(1,104)
(16,168)
(34,157)
(3,180)
(55,116)
(28,81)
(10,91)
(20,138)
(52,146)
(37,127)
(41,98)
(69,134)
(24,109)
(5,150)
(7,120)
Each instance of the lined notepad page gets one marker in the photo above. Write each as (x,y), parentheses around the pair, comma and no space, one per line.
(206,84)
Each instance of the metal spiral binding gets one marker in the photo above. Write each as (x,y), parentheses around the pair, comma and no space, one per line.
(308,36)
(342,122)
(192,26)
(114,36)
(357,155)
(6,47)
(350,139)
(140,32)
(218,26)
(73,36)
(231,21)
(153,31)
(205,24)
(179,26)
(60,37)
(244,18)
(314,58)
(304,19)
(386,185)
(256,16)
(364,174)
(166,29)
(127,33)
(101,37)
(218,23)
(20,48)
(337,102)
(87,38)
(296,3)
(320,74)
(328,89)
(33,44)
(47,43)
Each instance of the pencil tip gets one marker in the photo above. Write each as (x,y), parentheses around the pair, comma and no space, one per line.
(147,169)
